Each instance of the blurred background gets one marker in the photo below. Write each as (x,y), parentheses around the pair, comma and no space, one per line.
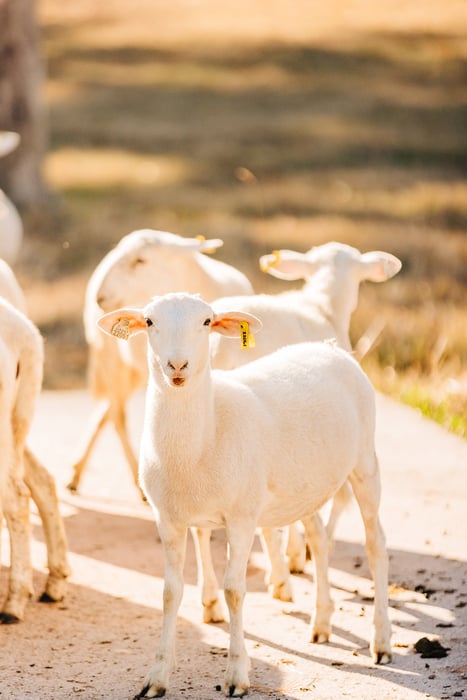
(267,123)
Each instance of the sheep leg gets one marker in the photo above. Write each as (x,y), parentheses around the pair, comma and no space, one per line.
(99,418)
(366,486)
(20,582)
(274,541)
(323,606)
(296,550)
(240,536)
(212,608)
(43,492)
(118,417)
(339,503)
(174,543)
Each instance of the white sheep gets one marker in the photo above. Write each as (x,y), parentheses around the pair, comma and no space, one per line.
(246,448)
(21,376)
(11,227)
(144,263)
(321,309)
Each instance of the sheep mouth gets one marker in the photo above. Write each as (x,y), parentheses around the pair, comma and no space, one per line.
(178,381)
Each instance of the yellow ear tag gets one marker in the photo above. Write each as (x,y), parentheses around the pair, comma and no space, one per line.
(208,251)
(121,329)
(277,258)
(247,339)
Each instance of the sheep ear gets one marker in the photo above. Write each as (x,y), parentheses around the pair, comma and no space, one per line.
(9,140)
(378,266)
(209,245)
(286,265)
(122,323)
(229,323)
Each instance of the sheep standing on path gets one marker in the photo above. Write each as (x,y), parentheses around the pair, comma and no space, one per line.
(21,362)
(21,365)
(143,264)
(11,227)
(254,446)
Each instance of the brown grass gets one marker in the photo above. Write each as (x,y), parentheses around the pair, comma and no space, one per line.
(350,121)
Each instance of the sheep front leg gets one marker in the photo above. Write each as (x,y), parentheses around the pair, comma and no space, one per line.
(240,536)
(174,543)
(212,608)
(321,618)
(99,418)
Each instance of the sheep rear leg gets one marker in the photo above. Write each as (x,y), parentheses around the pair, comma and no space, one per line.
(274,541)
(16,511)
(296,550)
(240,536)
(99,418)
(174,543)
(367,487)
(339,504)
(43,492)
(118,417)
(212,608)
(323,606)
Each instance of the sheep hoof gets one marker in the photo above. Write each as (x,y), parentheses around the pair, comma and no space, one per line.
(236,692)
(213,612)
(382,657)
(72,488)
(283,591)
(150,692)
(319,637)
(46,598)
(8,619)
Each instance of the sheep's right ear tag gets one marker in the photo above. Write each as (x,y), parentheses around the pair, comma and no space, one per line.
(247,338)
(121,329)
(267,264)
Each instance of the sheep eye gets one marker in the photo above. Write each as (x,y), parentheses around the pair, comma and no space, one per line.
(207,322)
(148,322)
(137,261)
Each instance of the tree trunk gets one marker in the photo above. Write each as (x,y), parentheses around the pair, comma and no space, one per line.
(21,107)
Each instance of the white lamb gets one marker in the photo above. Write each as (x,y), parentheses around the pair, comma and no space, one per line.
(21,361)
(143,264)
(11,227)
(246,448)
(21,365)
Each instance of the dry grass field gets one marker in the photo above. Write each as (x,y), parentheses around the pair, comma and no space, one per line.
(269,124)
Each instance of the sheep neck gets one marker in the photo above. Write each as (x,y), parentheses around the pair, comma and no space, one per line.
(335,298)
(183,421)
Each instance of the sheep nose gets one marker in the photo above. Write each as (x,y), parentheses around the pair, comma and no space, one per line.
(177,366)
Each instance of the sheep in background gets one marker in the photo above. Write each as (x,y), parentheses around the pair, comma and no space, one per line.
(19,339)
(245,448)
(21,362)
(143,264)
(321,309)
(11,227)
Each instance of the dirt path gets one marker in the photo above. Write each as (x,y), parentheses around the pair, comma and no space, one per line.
(99,642)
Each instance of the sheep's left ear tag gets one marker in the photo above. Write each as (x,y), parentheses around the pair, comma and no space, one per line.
(247,338)
(121,329)
(208,251)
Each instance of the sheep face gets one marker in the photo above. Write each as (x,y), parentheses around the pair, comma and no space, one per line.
(177,328)
(145,263)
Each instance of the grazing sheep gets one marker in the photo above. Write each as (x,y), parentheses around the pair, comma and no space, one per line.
(144,263)
(246,448)
(11,228)
(21,362)
(20,339)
